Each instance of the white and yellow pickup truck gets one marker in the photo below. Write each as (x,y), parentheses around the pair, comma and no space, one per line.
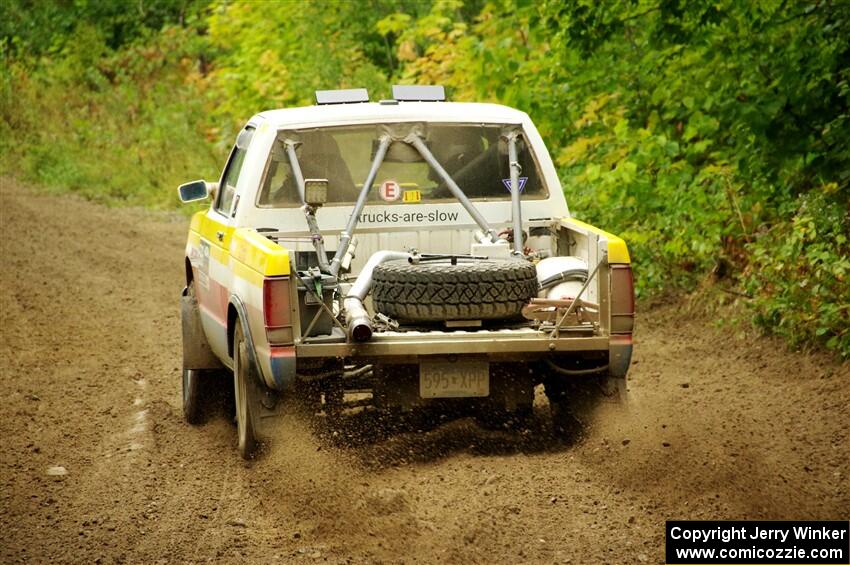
(417,251)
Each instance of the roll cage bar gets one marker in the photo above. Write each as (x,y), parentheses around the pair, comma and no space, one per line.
(414,139)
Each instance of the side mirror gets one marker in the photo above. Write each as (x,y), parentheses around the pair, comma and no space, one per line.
(315,192)
(196,190)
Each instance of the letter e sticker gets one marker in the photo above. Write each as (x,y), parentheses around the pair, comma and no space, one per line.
(390,191)
(412,195)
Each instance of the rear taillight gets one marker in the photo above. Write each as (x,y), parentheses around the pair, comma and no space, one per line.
(276,310)
(622,299)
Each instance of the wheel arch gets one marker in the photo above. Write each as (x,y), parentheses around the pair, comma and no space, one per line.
(236,312)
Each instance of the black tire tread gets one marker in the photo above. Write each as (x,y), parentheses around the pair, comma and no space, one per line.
(437,291)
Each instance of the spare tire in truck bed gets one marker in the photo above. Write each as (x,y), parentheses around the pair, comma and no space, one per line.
(433,291)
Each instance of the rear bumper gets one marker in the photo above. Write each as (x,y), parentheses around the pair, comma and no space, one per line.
(402,347)
(517,345)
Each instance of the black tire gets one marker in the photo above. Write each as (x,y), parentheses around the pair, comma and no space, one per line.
(566,425)
(437,290)
(571,403)
(247,396)
(193,408)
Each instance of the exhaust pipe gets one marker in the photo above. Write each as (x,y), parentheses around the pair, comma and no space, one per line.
(357,319)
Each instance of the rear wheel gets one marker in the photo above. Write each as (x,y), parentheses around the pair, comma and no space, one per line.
(511,400)
(193,411)
(247,396)
(572,401)
(566,423)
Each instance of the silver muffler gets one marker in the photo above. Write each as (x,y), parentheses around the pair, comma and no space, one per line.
(357,319)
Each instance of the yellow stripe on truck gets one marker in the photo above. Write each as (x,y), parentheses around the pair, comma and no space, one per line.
(259,253)
(194,239)
(209,229)
(618,252)
(252,255)
(246,273)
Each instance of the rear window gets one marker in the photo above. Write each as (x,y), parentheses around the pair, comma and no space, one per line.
(474,155)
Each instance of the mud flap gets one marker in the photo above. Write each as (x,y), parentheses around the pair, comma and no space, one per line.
(269,403)
(196,350)
(619,355)
(619,358)
(614,390)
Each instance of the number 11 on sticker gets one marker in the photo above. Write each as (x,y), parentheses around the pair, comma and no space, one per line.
(412,196)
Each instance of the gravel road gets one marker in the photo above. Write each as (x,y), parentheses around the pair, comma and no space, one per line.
(97,463)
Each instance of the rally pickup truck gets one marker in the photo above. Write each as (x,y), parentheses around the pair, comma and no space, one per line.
(398,255)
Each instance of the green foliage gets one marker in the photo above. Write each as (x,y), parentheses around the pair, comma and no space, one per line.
(707,135)
(799,273)
(121,126)
(272,56)
(714,137)
(48,26)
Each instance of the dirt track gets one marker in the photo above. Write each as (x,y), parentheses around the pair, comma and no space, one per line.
(718,428)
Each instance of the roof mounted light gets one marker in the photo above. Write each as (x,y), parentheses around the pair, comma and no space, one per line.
(344,96)
(419,93)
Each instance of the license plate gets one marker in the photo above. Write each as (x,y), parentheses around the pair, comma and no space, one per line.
(454,379)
